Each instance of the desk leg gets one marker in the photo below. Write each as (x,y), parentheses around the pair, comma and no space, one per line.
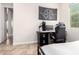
(38,53)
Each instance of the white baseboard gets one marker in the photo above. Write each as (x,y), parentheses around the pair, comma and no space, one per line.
(18,43)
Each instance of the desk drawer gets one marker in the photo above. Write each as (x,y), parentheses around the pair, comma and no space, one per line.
(43,39)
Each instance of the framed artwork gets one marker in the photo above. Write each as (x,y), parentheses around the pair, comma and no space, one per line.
(74,14)
(47,13)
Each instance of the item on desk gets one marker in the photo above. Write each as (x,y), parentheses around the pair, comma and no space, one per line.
(49,27)
(42,26)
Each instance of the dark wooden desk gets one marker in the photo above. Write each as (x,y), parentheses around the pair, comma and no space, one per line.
(44,38)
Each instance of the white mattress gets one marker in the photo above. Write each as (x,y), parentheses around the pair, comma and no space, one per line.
(71,48)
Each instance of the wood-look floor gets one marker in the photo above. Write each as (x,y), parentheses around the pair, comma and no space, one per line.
(24,49)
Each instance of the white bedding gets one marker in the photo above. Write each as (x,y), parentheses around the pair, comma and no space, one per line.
(71,48)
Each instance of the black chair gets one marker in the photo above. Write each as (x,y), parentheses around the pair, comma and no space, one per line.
(60,35)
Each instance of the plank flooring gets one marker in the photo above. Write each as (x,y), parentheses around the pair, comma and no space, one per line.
(24,49)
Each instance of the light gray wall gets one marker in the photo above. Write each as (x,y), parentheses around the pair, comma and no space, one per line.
(26,21)
(1,23)
(2,5)
(1,17)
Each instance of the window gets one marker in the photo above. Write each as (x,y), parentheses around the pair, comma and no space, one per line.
(74,14)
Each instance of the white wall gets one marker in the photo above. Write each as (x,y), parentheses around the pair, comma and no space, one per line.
(72,33)
(26,21)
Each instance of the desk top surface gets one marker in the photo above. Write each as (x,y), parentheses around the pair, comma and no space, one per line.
(46,31)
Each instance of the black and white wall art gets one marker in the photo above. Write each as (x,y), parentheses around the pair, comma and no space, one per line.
(47,13)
